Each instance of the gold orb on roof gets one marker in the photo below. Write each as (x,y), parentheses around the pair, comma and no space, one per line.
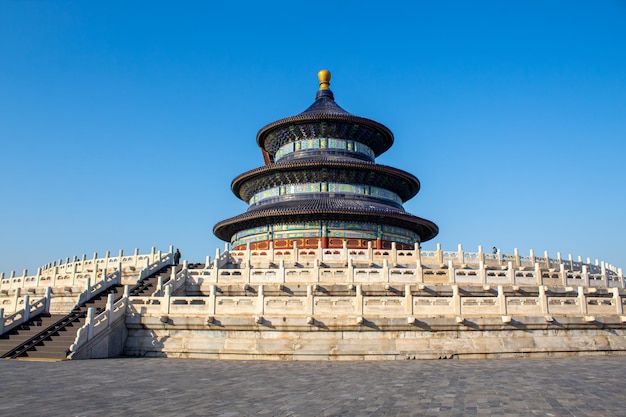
(324,77)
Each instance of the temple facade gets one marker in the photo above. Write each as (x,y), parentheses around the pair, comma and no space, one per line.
(321,186)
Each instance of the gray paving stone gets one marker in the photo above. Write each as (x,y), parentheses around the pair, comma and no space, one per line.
(582,386)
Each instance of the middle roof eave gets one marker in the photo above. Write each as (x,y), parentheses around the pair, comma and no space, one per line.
(401,182)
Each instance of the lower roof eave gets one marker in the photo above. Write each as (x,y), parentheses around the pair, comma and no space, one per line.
(424,228)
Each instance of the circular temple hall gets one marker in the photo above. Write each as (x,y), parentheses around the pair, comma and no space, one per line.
(321,187)
(325,264)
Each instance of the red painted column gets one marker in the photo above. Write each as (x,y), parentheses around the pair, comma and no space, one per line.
(324,236)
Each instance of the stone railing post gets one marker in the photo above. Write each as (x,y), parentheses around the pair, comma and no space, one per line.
(316,269)
(48,298)
(26,308)
(456,300)
(245,274)
(516,255)
(145,271)
(481,255)
(16,298)
(217,258)
(135,256)
(90,315)
(94,273)
(109,308)
(543,299)
(582,300)
(460,254)
(350,269)
(408,299)
(260,300)
(359,300)
(617,299)
(538,277)
(419,273)
(281,271)
(55,272)
(510,273)
(482,270)
(451,271)
(173,275)
(38,279)
(419,276)
(165,307)
(309,299)
(563,274)
(439,254)
(74,267)
(585,275)
(213,299)
(386,270)
(502,300)
(605,277)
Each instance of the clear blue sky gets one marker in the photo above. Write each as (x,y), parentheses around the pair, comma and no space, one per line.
(123,123)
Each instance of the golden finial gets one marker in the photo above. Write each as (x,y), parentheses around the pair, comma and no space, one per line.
(324,77)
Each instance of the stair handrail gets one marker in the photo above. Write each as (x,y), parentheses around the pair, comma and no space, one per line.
(105,283)
(162,261)
(29,311)
(96,324)
(177,281)
(114,310)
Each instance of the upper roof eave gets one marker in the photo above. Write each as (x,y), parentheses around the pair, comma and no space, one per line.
(307,117)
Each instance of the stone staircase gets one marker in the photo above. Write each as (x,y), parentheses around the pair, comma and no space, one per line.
(50,336)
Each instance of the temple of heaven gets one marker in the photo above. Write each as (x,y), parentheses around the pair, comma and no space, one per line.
(321,186)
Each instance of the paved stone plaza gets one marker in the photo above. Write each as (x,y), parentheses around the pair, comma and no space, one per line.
(579,386)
